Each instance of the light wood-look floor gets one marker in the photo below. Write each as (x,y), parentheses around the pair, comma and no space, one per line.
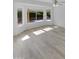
(48,45)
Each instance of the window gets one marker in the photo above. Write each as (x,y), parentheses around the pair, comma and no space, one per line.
(39,15)
(19,16)
(48,15)
(32,16)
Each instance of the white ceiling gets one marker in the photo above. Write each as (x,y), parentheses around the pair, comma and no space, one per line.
(49,1)
(38,2)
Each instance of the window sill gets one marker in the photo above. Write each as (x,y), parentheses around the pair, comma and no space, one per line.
(48,20)
(38,21)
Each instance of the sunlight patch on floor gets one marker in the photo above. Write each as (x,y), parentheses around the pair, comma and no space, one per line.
(38,32)
(25,37)
(55,26)
(48,29)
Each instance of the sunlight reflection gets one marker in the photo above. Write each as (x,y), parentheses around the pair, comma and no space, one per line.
(38,32)
(25,37)
(55,26)
(48,29)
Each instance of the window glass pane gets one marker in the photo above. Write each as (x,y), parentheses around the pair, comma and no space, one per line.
(19,16)
(32,16)
(48,15)
(39,15)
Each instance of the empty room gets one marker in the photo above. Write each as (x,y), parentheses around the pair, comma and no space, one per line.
(39,29)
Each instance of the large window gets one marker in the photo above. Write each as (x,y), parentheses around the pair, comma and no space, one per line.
(48,15)
(39,15)
(19,16)
(34,16)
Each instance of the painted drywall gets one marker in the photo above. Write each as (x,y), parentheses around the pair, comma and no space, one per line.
(24,6)
(59,15)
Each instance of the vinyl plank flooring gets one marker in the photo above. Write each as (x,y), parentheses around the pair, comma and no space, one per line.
(47,45)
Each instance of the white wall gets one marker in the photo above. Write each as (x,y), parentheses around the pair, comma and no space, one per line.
(59,15)
(25,26)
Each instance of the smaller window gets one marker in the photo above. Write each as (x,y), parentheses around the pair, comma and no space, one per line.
(32,16)
(48,15)
(39,15)
(19,16)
